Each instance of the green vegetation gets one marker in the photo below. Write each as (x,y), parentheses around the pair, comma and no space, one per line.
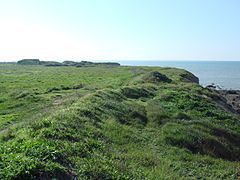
(65,63)
(107,122)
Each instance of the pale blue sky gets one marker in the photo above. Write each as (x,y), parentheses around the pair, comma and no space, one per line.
(120,29)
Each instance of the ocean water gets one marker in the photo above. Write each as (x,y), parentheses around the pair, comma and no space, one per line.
(225,74)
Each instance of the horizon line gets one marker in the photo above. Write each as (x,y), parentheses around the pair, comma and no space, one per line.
(117,60)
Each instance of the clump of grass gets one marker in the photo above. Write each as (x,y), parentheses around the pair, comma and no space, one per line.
(7,135)
(2,100)
(156,114)
(136,92)
(22,94)
(78,86)
(53,89)
(203,138)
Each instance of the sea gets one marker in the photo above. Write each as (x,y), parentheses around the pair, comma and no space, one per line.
(224,74)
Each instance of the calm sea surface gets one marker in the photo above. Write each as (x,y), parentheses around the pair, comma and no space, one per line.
(226,74)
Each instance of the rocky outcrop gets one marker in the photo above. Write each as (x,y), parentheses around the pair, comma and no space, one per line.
(232,97)
(227,99)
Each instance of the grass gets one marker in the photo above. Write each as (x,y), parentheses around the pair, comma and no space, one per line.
(112,123)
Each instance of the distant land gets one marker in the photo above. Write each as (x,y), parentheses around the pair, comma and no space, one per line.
(64,63)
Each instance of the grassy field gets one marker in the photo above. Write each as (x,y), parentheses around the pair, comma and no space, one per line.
(113,123)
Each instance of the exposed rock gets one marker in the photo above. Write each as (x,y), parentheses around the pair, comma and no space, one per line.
(212,86)
(232,97)
(228,99)
(232,92)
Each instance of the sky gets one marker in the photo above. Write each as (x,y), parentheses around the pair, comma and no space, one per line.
(120,29)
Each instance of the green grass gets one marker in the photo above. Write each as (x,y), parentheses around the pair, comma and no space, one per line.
(112,123)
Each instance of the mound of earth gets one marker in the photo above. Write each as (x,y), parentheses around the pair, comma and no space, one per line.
(189,77)
(155,77)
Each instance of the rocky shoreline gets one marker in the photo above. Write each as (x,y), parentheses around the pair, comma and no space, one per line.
(230,99)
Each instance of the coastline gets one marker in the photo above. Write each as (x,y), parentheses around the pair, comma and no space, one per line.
(225,74)
(229,99)
(232,98)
